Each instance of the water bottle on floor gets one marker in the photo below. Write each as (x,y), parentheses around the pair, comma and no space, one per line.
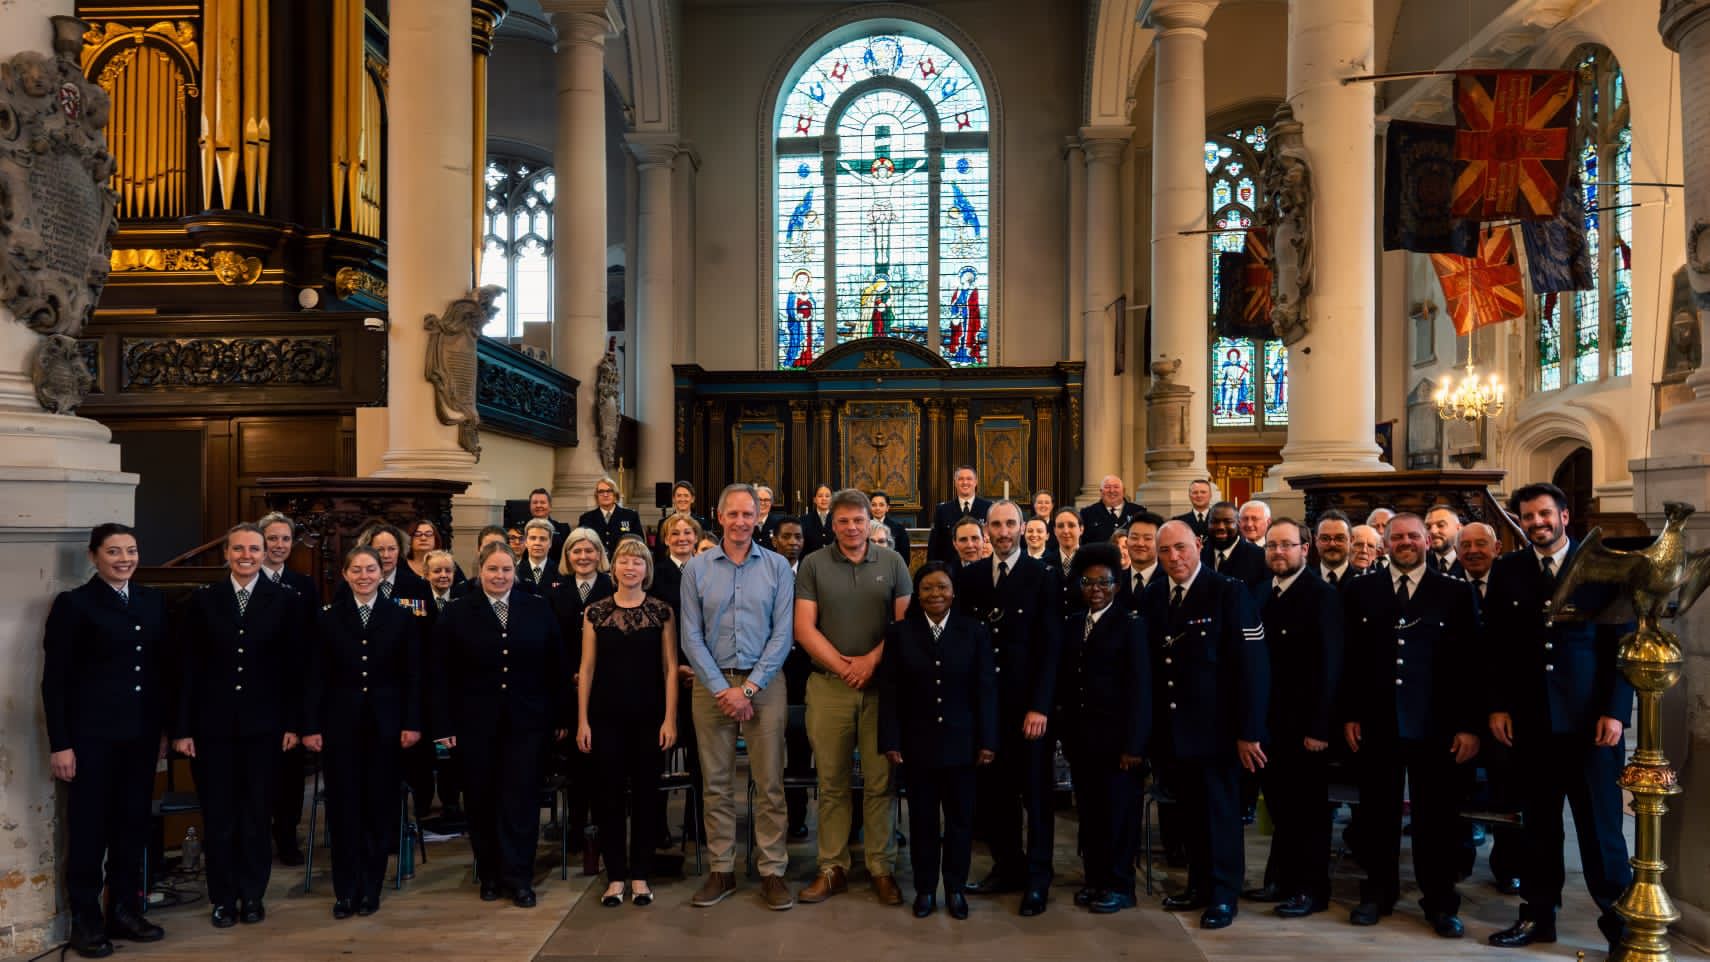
(190,853)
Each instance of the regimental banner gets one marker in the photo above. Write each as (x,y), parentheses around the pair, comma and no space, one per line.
(1512,131)
(1418,186)
(1244,277)
(1557,255)
(1486,289)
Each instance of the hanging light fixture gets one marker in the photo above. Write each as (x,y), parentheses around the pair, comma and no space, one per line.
(1474,398)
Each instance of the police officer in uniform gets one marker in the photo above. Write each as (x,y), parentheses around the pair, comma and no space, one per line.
(1017,599)
(362,707)
(1104,717)
(609,519)
(104,698)
(1211,673)
(502,688)
(1410,635)
(1109,514)
(1229,554)
(1561,704)
(941,541)
(278,538)
(239,704)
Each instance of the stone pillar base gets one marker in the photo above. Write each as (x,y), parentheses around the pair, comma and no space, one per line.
(469,514)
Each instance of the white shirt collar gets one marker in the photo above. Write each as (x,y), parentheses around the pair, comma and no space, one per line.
(1447,558)
(277,574)
(391,578)
(372,599)
(1145,573)
(1414,576)
(241,586)
(1340,572)
(1559,555)
(1283,584)
(1094,616)
(1188,584)
(1008,559)
(506,598)
(930,624)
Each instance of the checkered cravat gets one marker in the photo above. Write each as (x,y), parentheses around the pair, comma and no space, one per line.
(386,590)
(1087,631)
(502,611)
(363,612)
(937,629)
(585,588)
(242,600)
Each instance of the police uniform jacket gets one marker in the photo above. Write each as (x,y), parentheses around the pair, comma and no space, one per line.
(568,607)
(525,575)
(1246,562)
(487,676)
(899,537)
(1098,524)
(1201,528)
(357,672)
(1104,683)
(941,541)
(1408,669)
(624,521)
(1303,633)
(242,676)
(1021,615)
(816,534)
(1560,677)
(303,585)
(667,584)
(937,701)
(405,584)
(1210,667)
(104,670)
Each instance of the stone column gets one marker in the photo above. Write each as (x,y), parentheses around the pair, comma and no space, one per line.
(1101,454)
(655,315)
(59,476)
(683,251)
(1075,261)
(1179,260)
(579,229)
(1333,369)
(430,150)
(1680,471)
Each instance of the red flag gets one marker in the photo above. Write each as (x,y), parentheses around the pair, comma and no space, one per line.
(1512,129)
(1486,289)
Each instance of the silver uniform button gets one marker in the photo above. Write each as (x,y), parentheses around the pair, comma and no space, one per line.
(138,628)
(237,688)
(139,688)
(139,668)
(139,648)
(1172,706)
(503,685)
(1549,667)
(1398,681)
(1549,646)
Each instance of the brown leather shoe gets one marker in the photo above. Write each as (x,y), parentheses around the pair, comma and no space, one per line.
(776,893)
(831,881)
(715,889)
(885,887)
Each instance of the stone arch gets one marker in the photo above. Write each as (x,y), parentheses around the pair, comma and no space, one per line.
(1118,47)
(1538,443)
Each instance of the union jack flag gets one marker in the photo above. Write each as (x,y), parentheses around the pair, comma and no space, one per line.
(1512,129)
(1486,289)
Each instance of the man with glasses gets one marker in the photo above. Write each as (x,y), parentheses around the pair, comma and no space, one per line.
(1303,633)
(1334,540)
(609,519)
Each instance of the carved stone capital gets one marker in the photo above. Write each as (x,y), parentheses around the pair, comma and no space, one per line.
(1177,16)
(1679,17)
(1105,145)
(652,150)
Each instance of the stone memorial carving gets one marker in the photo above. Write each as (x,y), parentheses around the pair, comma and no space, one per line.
(1167,411)
(56,210)
(608,391)
(451,362)
(61,374)
(1285,209)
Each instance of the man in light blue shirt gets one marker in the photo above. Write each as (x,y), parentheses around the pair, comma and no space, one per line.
(738,607)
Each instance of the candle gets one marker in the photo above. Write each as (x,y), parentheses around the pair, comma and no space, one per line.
(1006,489)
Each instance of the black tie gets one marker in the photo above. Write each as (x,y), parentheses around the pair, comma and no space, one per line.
(1479,584)
(439,602)
(1139,582)
(1549,568)
(967,508)
(1331,579)
(124,598)
(1401,589)
(1002,570)
(1222,556)
(1276,592)
(1176,596)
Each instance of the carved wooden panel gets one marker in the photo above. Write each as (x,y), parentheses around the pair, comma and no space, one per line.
(881,449)
(1002,450)
(759,447)
(176,362)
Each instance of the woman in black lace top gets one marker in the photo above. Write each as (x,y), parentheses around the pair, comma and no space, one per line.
(628,716)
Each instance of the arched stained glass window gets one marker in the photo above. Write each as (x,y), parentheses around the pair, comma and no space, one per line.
(517,247)
(1588,335)
(882,202)
(1249,378)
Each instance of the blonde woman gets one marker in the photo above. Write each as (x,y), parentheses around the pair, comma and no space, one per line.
(585,581)
(627,717)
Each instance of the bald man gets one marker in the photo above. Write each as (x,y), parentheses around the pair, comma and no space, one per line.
(1112,512)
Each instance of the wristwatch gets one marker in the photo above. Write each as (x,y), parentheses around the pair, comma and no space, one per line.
(748,690)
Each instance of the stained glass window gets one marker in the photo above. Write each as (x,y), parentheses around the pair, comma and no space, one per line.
(1597,323)
(517,244)
(882,199)
(1249,379)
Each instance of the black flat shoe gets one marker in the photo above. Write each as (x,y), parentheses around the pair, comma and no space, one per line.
(1186,901)
(253,912)
(1368,913)
(368,905)
(1507,886)
(489,892)
(524,898)
(1108,903)
(993,884)
(612,901)
(1218,916)
(642,898)
(1033,903)
(1446,924)
(224,917)
(1298,907)
(1523,933)
(89,938)
(1085,895)
(925,904)
(957,903)
(1269,893)
(342,909)
(130,925)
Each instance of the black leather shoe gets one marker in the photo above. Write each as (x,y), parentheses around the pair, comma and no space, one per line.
(957,903)
(489,891)
(1217,916)
(1446,924)
(1269,893)
(1084,896)
(798,833)
(1507,886)
(1523,932)
(130,925)
(1368,913)
(1299,907)
(993,884)
(368,905)
(1033,903)
(1108,903)
(1186,901)
(253,912)
(1614,929)
(524,898)
(342,909)
(925,904)
(89,938)
(224,917)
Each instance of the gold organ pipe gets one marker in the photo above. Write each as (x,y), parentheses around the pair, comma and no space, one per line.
(155,134)
(264,102)
(251,126)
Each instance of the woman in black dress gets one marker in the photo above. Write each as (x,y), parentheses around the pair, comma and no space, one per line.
(586,579)
(627,716)
(362,708)
(938,716)
(105,699)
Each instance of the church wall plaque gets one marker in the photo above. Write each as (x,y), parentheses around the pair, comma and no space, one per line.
(1004,444)
(881,449)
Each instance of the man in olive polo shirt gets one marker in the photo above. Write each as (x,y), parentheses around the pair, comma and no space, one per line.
(846,595)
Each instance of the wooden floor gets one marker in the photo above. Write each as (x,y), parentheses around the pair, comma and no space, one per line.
(438,915)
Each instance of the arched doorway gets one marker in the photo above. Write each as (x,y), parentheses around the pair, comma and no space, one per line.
(1573,476)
